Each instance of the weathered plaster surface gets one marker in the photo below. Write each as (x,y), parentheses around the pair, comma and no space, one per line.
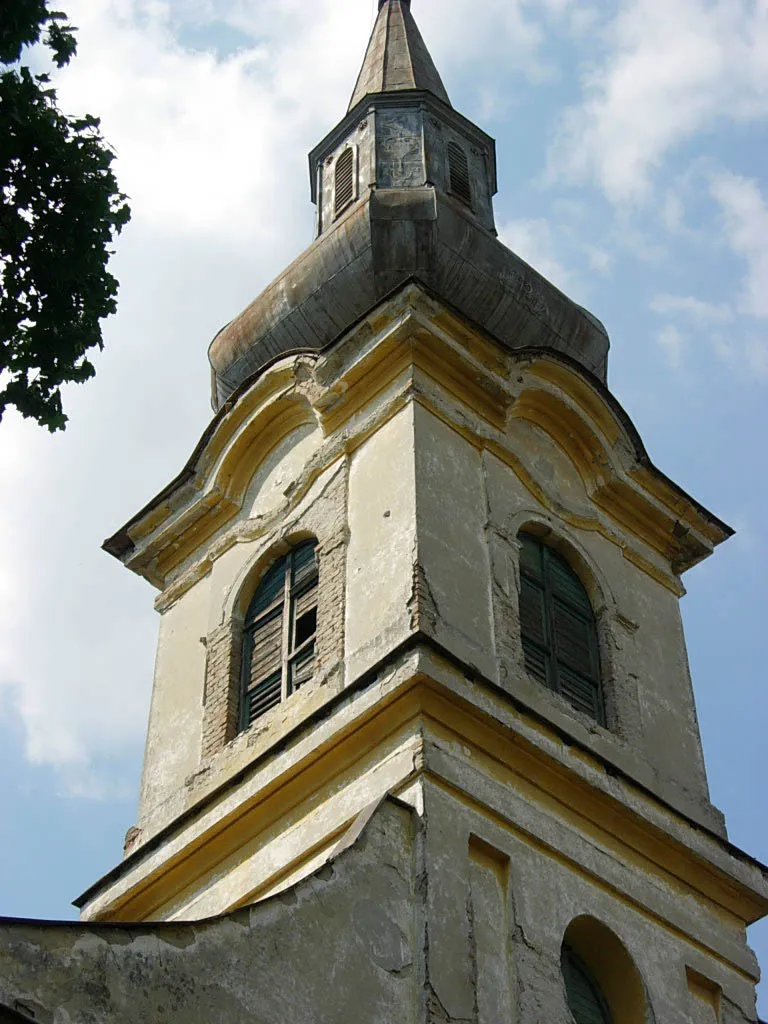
(414,452)
(304,956)
(453,915)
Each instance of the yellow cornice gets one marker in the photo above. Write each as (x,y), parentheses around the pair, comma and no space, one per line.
(419,715)
(411,348)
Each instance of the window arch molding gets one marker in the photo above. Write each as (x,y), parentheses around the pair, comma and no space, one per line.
(560,540)
(279,632)
(223,686)
(245,585)
(619,698)
(593,950)
(558,626)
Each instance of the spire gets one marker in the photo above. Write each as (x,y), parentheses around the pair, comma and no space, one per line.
(397,58)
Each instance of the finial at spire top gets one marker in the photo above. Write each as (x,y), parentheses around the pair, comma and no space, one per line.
(397,58)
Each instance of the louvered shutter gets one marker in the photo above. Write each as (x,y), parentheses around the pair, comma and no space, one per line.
(558,629)
(304,616)
(344,180)
(263,646)
(266,648)
(585,1000)
(458,173)
(304,565)
(533,627)
(279,636)
(270,590)
(533,611)
(574,637)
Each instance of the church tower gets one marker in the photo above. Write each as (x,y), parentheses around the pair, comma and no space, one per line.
(422,744)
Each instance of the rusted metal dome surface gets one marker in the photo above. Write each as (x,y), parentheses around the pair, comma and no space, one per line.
(391,237)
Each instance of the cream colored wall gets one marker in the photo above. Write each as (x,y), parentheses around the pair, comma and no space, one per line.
(425,508)
(382,543)
(421,499)
(452,544)
(654,712)
(172,752)
(273,477)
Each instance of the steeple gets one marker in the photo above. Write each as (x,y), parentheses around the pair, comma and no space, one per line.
(404,188)
(397,58)
(422,742)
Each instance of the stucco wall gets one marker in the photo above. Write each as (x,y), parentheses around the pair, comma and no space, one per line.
(381,552)
(451,916)
(175,724)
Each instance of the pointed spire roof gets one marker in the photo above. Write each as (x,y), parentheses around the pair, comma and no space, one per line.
(397,58)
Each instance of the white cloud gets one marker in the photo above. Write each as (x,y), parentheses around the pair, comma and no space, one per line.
(213,153)
(668,70)
(201,141)
(672,342)
(745,215)
(533,241)
(693,308)
(211,146)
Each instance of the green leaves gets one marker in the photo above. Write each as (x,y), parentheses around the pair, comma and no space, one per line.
(60,211)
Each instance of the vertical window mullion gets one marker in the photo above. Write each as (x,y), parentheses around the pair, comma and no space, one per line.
(245,678)
(549,621)
(287,617)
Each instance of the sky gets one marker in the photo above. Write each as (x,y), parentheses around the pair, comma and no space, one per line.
(631,143)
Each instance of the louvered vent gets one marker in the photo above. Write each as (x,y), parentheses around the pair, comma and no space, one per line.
(344,180)
(279,633)
(558,629)
(458,173)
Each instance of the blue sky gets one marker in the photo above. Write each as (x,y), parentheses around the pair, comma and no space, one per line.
(632,139)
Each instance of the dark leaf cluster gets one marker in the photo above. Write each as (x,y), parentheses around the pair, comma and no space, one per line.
(60,211)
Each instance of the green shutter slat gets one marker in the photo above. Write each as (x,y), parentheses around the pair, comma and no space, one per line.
(573,638)
(302,667)
(269,590)
(536,661)
(585,1000)
(304,565)
(557,627)
(530,556)
(532,612)
(266,648)
(582,693)
(264,697)
(565,583)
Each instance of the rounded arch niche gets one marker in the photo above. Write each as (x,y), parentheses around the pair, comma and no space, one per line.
(597,969)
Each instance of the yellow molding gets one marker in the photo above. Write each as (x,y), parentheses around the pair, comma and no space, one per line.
(411,351)
(397,721)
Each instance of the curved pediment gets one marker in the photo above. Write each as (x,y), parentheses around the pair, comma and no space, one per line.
(542,412)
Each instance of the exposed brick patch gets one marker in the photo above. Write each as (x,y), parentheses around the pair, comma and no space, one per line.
(326,520)
(222,687)
(332,566)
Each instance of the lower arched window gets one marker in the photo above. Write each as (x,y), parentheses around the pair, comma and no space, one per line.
(279,633)
(585,1000)
(558,628)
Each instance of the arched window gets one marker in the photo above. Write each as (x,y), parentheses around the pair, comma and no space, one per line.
(344,180)
(279,634)
(458,173)
(558,627)
(585,1000)
(602,983)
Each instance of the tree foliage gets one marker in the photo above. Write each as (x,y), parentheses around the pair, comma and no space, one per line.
(60,210)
